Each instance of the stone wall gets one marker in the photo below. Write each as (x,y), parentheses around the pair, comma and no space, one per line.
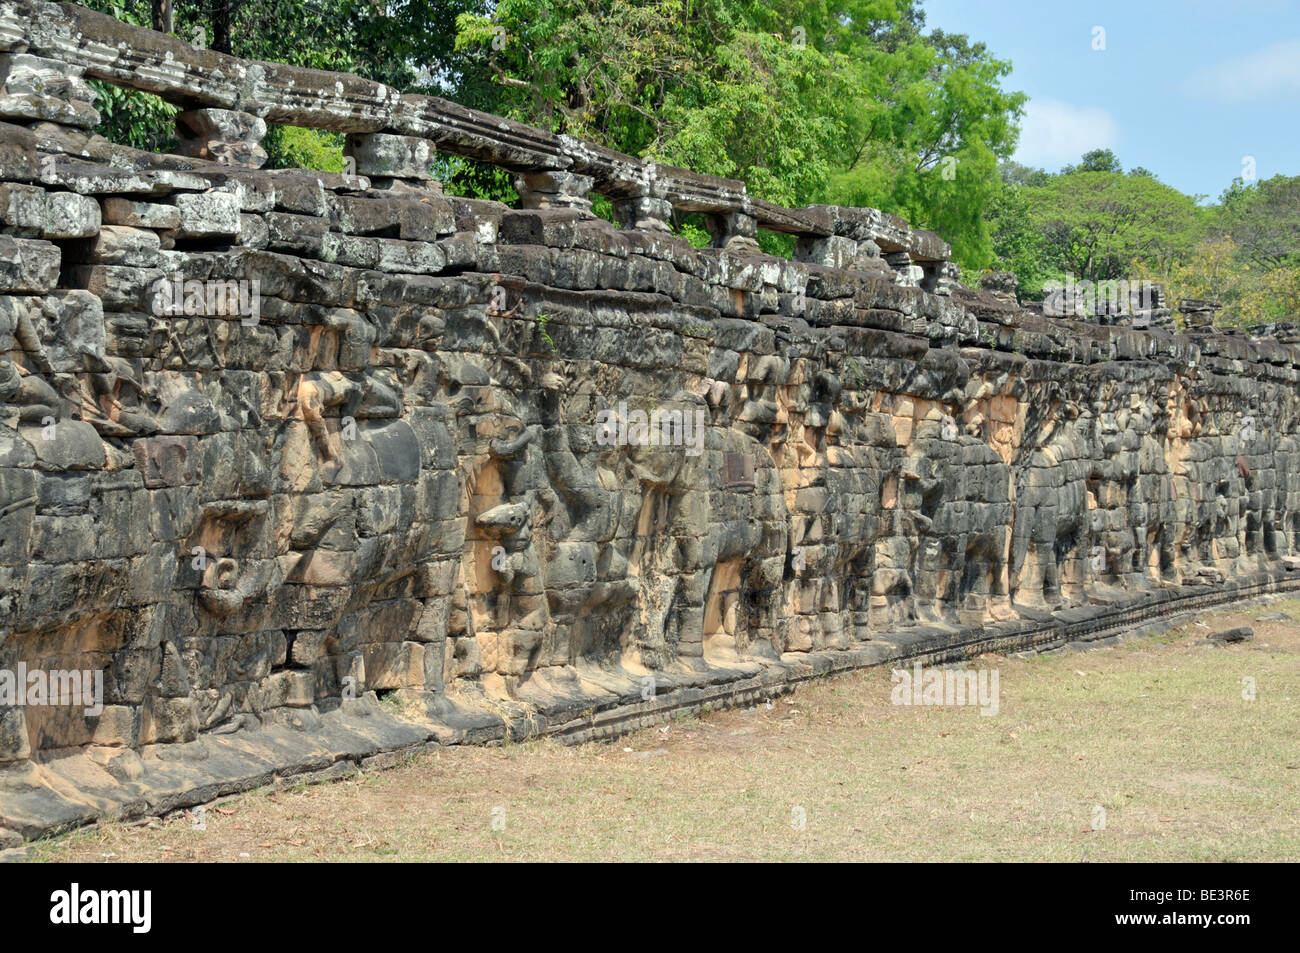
(397,469)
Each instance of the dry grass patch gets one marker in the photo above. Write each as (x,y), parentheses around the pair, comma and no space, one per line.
(1155,732)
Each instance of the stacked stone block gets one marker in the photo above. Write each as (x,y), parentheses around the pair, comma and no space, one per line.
(273,442)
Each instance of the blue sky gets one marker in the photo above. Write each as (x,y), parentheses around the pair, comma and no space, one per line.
(1186,88)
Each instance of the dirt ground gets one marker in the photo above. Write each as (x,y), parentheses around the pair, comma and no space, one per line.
(1158,749)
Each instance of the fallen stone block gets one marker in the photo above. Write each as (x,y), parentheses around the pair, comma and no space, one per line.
(1242,633)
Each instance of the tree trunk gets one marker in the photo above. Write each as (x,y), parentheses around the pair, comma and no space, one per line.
(164,18)
(221,14)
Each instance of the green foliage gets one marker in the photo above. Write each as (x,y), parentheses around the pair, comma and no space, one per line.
(694,233)
(353,36)
(292,147)
(844,102)
(540,322)
(132,118)
(1219,270)
(926,136)
(1013,173)
(1263,219)
(135,119)
(346,35)
(1091,224)
(602,207)
(1096,223)
(471,179)
(1017,246)
(776,244)
(1098,160)
(1093,221)
(690,86)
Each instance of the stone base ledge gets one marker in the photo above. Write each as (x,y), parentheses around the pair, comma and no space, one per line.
(360,735)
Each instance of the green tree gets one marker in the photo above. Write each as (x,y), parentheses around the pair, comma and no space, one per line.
(925,136)
(1263,220)
(1095,224)
(1217,269)
(1013,173)
(697,85)
(1098,160)
(845,102)
(1017,246)
(842,101)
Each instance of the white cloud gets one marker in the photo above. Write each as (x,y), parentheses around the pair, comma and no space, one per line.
(1271,72)
(1054,133)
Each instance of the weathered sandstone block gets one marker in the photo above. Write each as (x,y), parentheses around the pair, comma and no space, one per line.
(274,444)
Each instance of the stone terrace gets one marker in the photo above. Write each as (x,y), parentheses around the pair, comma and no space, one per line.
(280,445)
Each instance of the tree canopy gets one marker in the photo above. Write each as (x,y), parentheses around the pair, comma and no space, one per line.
(848,102)
(838,101)
(1264,220)
(1092,220)
(1095,223)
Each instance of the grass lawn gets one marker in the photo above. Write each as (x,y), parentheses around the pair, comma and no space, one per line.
(1154,732)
